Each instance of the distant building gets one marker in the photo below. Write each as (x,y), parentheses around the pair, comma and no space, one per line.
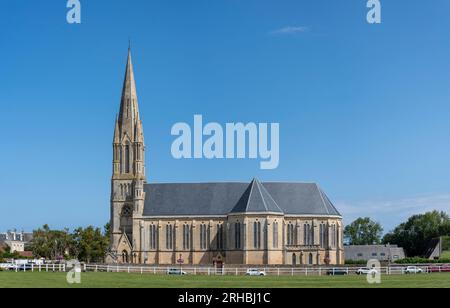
(380,252)
(437,247)
(16,241)
(16,246)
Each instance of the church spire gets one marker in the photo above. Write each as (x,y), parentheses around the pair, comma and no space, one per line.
(129,110)
(128,143)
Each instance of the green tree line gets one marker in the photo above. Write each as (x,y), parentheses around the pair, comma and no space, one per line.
(84,244)
(414,235)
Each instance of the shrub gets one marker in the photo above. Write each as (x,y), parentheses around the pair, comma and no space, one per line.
(417,260)
(355,262)
(446,243)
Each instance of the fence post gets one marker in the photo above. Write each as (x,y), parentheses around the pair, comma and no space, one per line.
(236,271)
(142,270)
(46,267)
(32,267)
(278,271)
(39,268)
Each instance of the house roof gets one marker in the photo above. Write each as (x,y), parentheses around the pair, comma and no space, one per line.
(217,199)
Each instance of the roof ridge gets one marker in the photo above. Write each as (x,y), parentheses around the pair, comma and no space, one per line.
(249,195)
(262,197)
(272,198)
(321,197)
(330,203)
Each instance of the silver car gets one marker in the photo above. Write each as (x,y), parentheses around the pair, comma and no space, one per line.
(255,272)
(366,271)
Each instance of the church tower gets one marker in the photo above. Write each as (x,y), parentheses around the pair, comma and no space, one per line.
(128,179)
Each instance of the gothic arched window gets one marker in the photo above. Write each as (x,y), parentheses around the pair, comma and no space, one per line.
(333,236)
(153,237)
(204,238)
(127,159)
(291,234)
(220,236)
(169,237)
(186,237)
(126,224)
(307,235)
(275,235)
(257,234)
(323,235)
(237,235)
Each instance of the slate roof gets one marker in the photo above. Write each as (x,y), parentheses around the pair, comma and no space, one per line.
(217,199)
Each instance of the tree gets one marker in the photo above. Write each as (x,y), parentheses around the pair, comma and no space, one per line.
(415,234)
(88,244)
(364,231)
(51,244)
(91,244)
(107,230)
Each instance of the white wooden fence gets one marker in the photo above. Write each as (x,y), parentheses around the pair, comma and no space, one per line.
(235,271)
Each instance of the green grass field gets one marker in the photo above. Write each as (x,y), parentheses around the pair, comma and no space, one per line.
(124,280)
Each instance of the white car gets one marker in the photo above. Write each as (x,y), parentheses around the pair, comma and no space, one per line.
(255,272)
(366,271)
(8,266)
(413,270)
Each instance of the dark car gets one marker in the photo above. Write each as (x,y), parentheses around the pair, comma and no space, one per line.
(175,271)
(23,267)
(445,268)
(337,272)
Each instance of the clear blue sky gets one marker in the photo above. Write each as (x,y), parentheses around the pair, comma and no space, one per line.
(363,109)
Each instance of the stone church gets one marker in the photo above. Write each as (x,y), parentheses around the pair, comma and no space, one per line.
(254,223)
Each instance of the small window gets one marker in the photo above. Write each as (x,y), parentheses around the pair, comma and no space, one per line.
(374,254)
(382,254)
(360,254)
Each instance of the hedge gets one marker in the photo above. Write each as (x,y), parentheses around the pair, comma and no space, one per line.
(417,260)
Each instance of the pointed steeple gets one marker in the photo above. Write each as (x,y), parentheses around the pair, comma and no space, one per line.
(139,136)
(116,132)
(129,110)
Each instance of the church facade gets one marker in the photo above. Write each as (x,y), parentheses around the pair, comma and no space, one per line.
(253,223)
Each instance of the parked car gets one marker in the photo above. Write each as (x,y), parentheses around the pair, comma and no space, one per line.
(413,270)
(366,271)
(444,268)
(337,271)
(176,271)
(6,266)
(255,272)
(9,267)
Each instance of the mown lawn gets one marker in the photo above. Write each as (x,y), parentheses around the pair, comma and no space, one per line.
(124,280)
